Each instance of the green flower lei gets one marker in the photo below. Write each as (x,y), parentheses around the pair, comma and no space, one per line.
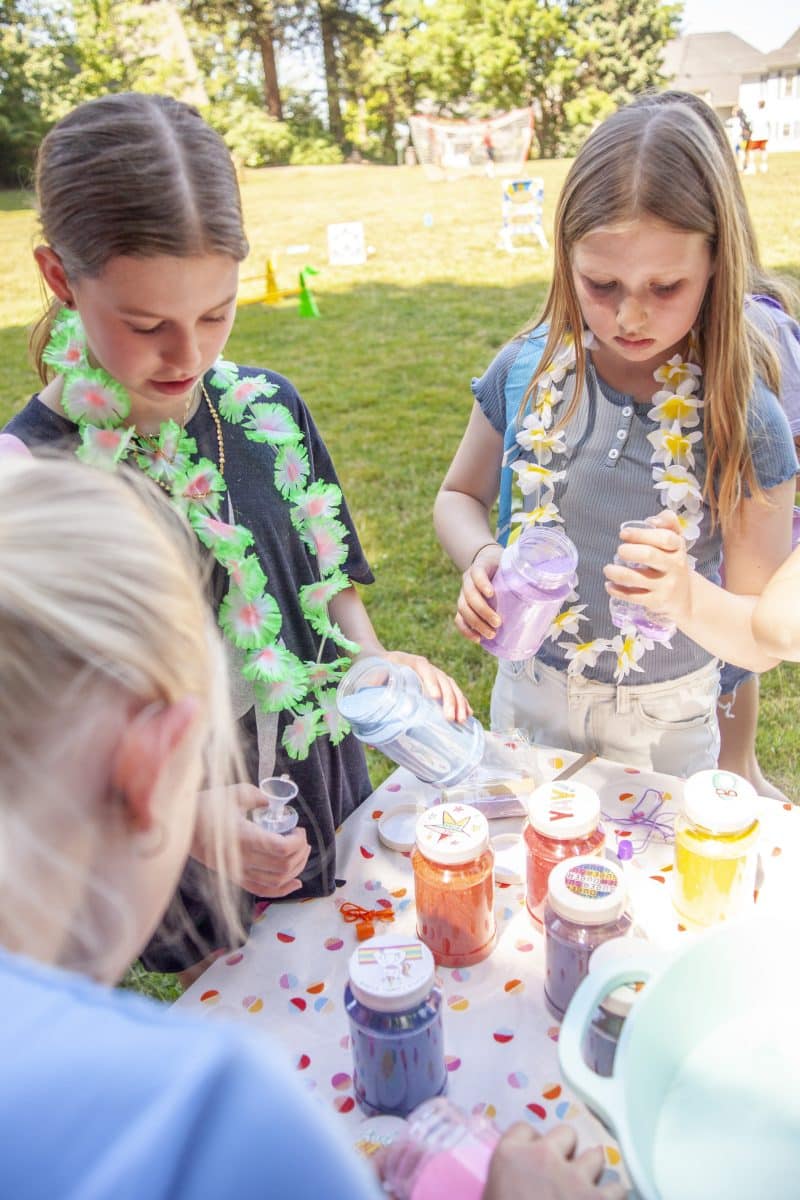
(249,615)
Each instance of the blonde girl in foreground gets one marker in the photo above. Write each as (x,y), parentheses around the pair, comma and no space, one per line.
(643,391)
(113,706)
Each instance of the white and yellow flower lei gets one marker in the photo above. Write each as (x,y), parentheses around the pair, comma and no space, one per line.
(676,405)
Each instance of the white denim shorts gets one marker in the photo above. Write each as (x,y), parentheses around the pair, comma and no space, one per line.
(670,727)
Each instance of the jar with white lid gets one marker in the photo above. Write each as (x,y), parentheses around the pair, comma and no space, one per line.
(563,822)
(394,1004)
(586,905)
(716,848)
(453,865)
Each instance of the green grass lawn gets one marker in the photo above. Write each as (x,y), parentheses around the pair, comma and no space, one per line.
(386,368)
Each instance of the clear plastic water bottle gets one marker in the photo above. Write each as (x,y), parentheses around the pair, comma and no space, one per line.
(534,578)
(387,708)
(445,1152)
(628,612)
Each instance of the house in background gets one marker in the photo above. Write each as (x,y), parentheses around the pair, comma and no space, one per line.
(777,82)
(729,73)
(711,65)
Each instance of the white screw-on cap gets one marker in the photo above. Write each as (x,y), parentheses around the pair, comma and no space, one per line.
(564,810)
(452,833)
(586,890)
(391,973)
(720,801)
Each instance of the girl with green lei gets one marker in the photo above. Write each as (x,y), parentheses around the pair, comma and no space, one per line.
(142,240)
(642,392)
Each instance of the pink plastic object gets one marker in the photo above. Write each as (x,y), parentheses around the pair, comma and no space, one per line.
(444,1153)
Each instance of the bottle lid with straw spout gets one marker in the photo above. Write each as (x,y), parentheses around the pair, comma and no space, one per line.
(277,816)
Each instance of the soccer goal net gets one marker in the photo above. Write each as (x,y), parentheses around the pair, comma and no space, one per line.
(445,146)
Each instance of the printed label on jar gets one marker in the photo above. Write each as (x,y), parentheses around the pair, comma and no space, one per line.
(593,882)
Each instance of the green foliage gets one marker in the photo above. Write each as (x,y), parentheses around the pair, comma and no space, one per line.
(624,44)
(149,983)
(27,76)
(315,151)
(253,138)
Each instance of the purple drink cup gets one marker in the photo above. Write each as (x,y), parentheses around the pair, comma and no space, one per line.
(628,612)
(534,578)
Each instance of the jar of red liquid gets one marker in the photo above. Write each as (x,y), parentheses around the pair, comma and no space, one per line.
(454,884)
(563,822)
(586,900)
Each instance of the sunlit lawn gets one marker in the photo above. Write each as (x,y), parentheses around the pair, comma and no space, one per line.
(386,368)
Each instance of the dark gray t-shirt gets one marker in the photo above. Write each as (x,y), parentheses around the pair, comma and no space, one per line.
(609,479)
(333,780)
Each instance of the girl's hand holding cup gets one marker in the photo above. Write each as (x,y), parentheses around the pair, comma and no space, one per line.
(652,568)
(475,618)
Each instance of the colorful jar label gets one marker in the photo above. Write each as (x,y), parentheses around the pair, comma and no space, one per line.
(592,881)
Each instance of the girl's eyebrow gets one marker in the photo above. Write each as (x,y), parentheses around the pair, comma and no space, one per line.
(142,312)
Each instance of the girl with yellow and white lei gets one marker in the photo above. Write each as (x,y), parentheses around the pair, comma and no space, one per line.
(661,409)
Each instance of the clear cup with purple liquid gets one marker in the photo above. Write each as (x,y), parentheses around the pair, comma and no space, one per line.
(535,576)
(627,612)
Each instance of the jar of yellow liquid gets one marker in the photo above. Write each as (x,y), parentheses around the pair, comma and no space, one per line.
(716,839)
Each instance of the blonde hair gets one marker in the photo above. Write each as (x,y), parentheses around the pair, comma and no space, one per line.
(663,161)
(133,174)
(101,609)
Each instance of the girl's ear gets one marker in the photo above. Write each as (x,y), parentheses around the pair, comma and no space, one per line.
(53,273)
(144,748)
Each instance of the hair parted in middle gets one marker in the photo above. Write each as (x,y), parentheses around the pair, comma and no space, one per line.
(133,174)
(663,162)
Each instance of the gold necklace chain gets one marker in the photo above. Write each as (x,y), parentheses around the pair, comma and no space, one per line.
(218,427)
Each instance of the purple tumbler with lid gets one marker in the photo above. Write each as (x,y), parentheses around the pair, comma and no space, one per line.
(628,612)
(534,578)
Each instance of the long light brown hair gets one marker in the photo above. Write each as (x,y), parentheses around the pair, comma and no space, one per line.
(133,174)
(663,162)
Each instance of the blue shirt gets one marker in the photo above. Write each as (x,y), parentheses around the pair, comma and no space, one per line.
(107,1096)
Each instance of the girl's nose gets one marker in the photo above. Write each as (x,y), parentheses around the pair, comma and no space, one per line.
(631,316)
(182,353)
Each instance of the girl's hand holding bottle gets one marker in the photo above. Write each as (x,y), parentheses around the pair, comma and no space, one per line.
(436,683)
(659,572)
(475,617)
(270,863)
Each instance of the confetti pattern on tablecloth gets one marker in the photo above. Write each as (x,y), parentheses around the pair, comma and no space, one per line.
(500,1041)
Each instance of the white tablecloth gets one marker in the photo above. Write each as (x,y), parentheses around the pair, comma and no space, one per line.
(500,1039)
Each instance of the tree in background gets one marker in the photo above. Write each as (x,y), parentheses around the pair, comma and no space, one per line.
(573,61)
(22,82)
(256,25)
(624,43)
